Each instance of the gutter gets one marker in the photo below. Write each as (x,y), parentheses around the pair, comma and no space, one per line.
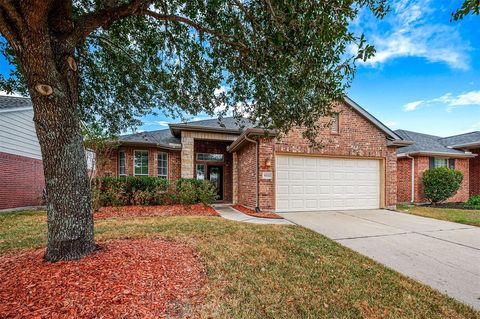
(187,127)
(399,143)
(148,144)
(17,109)
(440,154)
(243,137)
(466,145)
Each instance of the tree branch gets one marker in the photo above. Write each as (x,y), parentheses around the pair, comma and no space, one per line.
(7,31)
(13,13)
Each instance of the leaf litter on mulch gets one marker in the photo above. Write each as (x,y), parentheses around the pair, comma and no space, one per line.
(124,279)
(153,211)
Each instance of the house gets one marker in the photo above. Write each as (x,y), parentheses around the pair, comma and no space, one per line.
(21,168)
(428,151)
(355,169)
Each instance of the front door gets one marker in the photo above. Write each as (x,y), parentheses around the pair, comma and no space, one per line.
(215,176)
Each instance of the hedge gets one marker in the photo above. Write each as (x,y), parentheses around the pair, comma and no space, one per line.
(147,190)
(441,183)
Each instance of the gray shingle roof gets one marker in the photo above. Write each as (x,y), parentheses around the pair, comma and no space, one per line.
(461,139)
(228,123)
(13,102)
(160,137)
(424,143)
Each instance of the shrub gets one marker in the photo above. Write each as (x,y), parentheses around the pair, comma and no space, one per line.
(147,190)
(441,183)
(474,201)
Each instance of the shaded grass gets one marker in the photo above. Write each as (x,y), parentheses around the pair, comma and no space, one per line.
(270,271)
(462,216)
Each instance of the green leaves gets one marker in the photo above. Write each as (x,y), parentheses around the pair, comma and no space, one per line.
(441,183)
(468,7)
(281,63)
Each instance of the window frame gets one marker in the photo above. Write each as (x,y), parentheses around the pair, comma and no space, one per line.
(209,160)
(335,129)
(448,162)
(135,159)
(124,163)
(158,164)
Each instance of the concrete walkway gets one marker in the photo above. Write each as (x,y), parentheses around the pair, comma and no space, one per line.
(441,254)
(228,212)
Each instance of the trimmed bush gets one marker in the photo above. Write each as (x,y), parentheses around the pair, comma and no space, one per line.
(474,201)
(441,183)
(147,190)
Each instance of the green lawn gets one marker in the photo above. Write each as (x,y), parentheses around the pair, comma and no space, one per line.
(267,271)
(463,216)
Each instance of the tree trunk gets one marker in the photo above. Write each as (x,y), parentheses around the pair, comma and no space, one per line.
(44,61)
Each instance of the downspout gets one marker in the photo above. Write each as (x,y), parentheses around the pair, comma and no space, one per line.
(413,179)
(257,208)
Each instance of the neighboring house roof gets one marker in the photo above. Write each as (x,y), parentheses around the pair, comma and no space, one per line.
(8,103)
(462,140)
(161,138)
(426,144)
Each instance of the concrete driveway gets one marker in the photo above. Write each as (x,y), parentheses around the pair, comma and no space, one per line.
(443,255)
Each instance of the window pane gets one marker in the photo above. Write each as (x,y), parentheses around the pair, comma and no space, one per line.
(210,157)
(440,162)
(121,163)
(335,123)
(200,171)
(141,162)
(163,165)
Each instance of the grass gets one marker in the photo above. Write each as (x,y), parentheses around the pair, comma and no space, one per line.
(267,271)
(462,216)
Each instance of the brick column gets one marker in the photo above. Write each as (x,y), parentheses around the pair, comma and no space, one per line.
(235,178)
(187,156)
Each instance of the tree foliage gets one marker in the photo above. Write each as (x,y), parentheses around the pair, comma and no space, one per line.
(280,62)
(468,7)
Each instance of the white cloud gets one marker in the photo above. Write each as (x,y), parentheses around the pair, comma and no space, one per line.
(390,123)
(410,33)
(473,127)
(412,105)
(449,100)
(162,123)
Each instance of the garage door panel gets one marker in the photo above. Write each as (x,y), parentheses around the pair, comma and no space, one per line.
(319,183)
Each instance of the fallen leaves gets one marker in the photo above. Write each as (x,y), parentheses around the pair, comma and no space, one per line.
(152,211)
(125,279)
(250,212)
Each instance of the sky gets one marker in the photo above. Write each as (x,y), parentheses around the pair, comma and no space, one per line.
(425,75)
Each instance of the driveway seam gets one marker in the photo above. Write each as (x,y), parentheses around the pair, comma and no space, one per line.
(373,236)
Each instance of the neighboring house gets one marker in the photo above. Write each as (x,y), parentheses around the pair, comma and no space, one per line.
(428,151)
(21,168)
(356,168)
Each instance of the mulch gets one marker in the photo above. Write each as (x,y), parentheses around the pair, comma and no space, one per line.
(124,279)
(251,212)
(152,211)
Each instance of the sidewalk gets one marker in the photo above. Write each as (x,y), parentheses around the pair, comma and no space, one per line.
(228,212)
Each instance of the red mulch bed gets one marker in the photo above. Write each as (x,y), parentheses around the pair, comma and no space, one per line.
(160,210)
(251,212)
(125,279)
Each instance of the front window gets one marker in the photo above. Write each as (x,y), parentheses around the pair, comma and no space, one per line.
(210,157)
(141,163)
(163,165)
(335,123)
(442,162)
(200,171)
(121,163)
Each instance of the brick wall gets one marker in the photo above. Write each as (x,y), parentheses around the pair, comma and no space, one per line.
(404,180)
(246,176)
(422,163)
(22,181)
(357,137)
(109,167)
(217,147)
(475,173)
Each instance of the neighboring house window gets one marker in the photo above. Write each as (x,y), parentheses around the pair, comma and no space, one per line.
(335,123)
(442,162)
(140,162)
(121,163)
(163,165)
(200,171)
(210,157)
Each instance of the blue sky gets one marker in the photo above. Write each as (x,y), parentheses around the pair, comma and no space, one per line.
(426,73)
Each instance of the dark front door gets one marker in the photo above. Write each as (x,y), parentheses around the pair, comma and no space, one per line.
(215,176)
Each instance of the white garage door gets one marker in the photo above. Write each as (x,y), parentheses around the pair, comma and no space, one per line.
(306,183)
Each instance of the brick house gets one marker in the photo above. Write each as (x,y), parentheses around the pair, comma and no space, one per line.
(428,151)
(21,168)
(356,167)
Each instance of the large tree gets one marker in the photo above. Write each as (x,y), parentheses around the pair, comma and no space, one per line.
(109,62)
